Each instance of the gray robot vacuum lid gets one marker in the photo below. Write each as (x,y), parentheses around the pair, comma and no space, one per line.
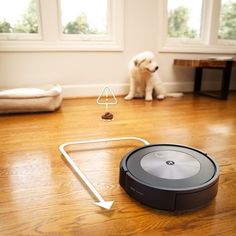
(169,172)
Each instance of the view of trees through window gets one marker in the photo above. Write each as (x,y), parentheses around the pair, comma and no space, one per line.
(20,19)
(178,24)
(227,29)
(184,18)
(79,26)
(80,17)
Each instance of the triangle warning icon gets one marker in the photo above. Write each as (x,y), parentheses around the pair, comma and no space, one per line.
(106,97)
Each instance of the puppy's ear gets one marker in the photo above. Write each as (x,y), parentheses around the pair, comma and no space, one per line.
(138,63)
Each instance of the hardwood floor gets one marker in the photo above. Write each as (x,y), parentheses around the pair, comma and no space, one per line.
(39,195)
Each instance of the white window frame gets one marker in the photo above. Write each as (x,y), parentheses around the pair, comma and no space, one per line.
(52,38)
(208,41)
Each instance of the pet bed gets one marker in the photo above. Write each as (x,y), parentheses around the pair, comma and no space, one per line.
(20,100)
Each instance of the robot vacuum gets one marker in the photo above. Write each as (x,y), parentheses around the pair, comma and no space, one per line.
(169,177)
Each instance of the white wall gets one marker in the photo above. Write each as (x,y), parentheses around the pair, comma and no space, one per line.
(85,73)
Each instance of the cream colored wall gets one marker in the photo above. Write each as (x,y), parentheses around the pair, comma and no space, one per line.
(85,73)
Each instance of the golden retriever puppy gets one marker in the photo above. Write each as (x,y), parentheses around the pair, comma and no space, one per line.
(144,78)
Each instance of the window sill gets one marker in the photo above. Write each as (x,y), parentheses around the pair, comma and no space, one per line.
(31,46)
(198,49)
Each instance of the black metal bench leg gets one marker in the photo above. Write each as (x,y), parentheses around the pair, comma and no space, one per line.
(198,79)
(226,80)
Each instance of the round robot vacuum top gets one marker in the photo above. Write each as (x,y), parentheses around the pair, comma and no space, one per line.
(168,166)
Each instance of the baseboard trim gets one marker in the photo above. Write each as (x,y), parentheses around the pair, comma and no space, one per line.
(93,90)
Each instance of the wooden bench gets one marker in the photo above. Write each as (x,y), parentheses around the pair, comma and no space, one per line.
(199,65)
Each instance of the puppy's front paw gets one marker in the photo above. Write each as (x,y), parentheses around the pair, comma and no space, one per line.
(148,98)
(128,97)
(161,96)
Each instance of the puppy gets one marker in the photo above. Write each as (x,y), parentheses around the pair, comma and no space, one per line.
(144,78)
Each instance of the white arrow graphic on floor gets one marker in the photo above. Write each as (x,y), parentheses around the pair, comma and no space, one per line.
(101,202)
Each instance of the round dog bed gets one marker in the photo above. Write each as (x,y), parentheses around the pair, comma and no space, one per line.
(21,100)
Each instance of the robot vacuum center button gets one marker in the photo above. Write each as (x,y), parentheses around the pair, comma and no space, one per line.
(170,163)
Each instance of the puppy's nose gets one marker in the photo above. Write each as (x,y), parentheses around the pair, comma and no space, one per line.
(156,68)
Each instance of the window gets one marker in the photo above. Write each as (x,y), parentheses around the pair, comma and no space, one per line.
(184,18)
(20,21)
(84,25)
(78,17)
(227,28)
(200,26)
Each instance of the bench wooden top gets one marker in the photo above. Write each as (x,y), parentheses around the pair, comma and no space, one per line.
(201,63)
